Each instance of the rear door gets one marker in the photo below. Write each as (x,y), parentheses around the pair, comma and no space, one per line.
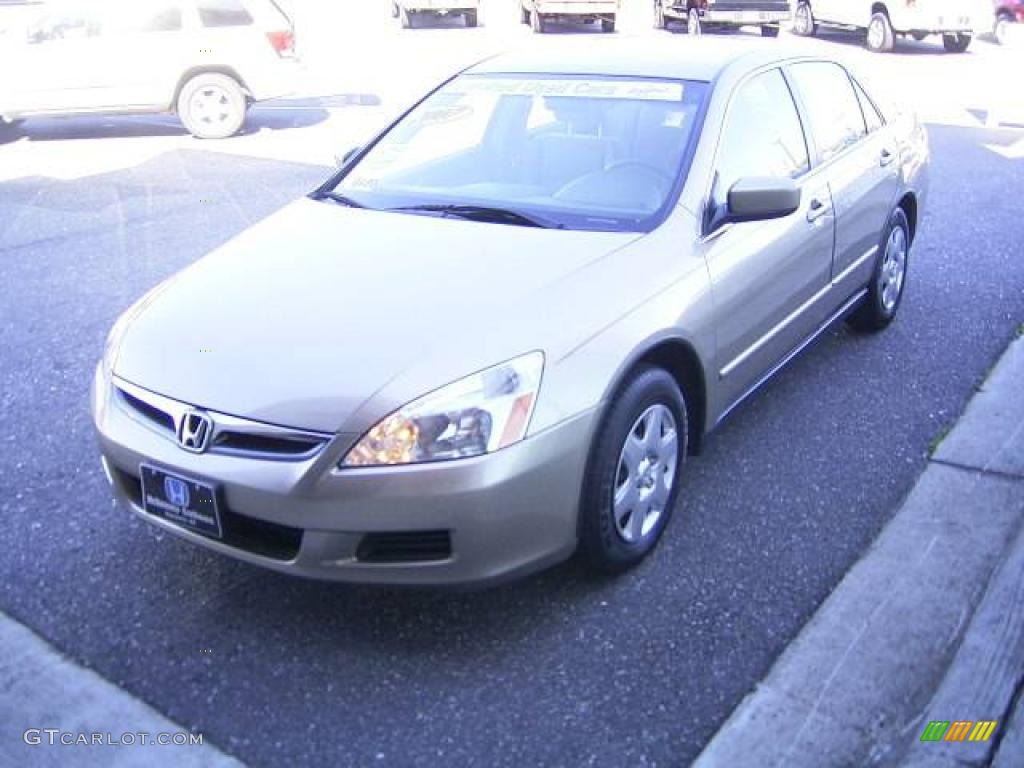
(770,279)
(858,156)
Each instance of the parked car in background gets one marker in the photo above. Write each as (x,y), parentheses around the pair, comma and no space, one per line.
(205,60)
(1007,12)
(410,11)
(709,15)
(883,22)
(623,243)
(539,13)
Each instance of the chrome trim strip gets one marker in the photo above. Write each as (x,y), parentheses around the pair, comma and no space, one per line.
(222,423)
(854,265)
(781,326)
(847,305)
(775,331)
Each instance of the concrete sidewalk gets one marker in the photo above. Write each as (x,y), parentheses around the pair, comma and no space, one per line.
(927,626)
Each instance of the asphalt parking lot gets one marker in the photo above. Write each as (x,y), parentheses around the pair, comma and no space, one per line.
(559,669)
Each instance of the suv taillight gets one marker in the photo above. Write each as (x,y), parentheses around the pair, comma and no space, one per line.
(283,42)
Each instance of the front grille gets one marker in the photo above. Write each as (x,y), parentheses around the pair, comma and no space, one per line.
(278,542)
(240,442)
(405,547)
(149,412)
(231,435)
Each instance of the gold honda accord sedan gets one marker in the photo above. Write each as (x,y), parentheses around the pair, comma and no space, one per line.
(493,337)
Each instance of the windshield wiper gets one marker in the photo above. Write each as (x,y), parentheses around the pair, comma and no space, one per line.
(484,213)
(342,199)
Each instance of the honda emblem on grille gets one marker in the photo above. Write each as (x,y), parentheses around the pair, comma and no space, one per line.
(195,431)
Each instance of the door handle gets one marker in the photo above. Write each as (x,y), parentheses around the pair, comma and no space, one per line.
(886,157)
(816,210)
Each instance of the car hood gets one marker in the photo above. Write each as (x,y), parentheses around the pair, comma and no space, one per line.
(303,317)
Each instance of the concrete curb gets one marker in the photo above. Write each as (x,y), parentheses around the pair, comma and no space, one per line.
(43,690)
(915,630)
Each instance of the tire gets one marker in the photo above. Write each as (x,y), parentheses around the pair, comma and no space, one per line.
(472,19)
(1002,27)
(608,25)
(659,16)
(693,25)
(956,43)
(881,38)
(537,22)
(643,473)
(803,21)
(769,31)
(883,301)
(524,16)
(405,18)
(394,10)
(212,106)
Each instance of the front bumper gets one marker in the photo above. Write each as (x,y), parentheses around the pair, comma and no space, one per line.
(500,516)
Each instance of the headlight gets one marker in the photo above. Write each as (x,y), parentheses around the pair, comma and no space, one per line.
(475,415)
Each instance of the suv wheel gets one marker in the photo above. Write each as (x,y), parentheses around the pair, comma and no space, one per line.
(633,475)
(1002,27)
(693,22)
(803,21)
(537,21)
(471,18)
(212,106)
(885,291)
(659,15)
(881,38)
(608,24)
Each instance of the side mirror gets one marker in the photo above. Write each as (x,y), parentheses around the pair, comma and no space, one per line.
(758,198)
(340,160)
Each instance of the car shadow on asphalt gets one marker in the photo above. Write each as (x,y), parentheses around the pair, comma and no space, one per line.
(279,115)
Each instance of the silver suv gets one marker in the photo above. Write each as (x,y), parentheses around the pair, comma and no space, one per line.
(205,60)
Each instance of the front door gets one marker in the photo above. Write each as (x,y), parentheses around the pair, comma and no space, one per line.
(770,280)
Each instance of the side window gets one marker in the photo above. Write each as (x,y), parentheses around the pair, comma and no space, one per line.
(762,136)
(835,114)
(871,114)
(224,13)
(134,19)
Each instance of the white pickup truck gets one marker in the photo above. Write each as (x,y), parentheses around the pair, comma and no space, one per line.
(708,15)
(955,20)
(537,13)
(408,11)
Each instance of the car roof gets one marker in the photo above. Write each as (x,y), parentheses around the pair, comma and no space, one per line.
(677,57)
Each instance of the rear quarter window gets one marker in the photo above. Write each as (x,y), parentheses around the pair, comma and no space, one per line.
(224,13)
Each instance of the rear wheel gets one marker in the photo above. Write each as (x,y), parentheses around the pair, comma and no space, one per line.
(885,291)
(608,24)
(769,31)
(394,10)
(471,18)
(881,38)
(405,18)
(1002,27)
(524,16)
(693,25)
(212,106)
(803,20)
(956,43)
(632,478)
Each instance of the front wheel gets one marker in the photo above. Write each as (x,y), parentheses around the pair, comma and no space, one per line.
(608,24)
(212,106)
(885,291)
(405,18)
(471,18)
(659,16)
(803,21)
(956,43)
(693,25)
(769,31)
(633,473)
(537,22)
(881,38)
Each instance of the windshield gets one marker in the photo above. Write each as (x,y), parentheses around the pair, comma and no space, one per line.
(582,152)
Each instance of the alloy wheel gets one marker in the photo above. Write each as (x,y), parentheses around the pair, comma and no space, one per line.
(894,269)
(645,473)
